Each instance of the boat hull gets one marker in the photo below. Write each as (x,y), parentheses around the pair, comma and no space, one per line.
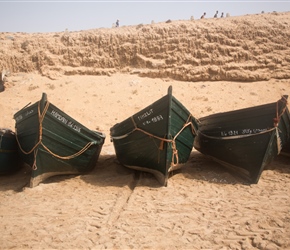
(9,158)
(157,139)
(245,140)
(53,143)
(286,150)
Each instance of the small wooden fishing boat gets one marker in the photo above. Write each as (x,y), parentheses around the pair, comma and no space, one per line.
(157,139)
(9,158)
(53,143)
(245,140)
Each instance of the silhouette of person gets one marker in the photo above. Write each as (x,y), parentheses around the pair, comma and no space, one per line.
(203,16)
(215,15)
(1,87)
(2,80)
(117,23)
(222,15)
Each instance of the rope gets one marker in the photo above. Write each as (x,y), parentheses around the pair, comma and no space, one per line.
(277,120)
(85,148)
(175,159)
(34,167)
(278,116)
(40,119)
(279,142)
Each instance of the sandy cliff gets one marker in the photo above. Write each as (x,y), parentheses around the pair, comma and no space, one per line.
(246,48)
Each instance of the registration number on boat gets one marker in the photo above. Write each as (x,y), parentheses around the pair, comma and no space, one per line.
(247,131)
(65,121)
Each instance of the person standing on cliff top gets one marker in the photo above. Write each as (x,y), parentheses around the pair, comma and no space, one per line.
(117,23)
(203,16)
(215,15)
(2,80)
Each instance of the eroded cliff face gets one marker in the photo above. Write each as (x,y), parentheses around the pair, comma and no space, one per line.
(246,48)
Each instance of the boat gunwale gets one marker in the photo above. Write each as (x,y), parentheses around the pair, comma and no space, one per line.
(94,133)
(244,110)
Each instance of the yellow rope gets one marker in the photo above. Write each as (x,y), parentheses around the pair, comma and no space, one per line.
(70,156)
(277,120)
(34,167)
(40,118)
(278,116)
(279,142)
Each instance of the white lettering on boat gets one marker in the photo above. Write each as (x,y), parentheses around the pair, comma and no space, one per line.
(29,112)
(74,126)
(154,119)
(247,131)
(146,114)
(229,133)
(59,117)
(18,118)
(66,121)
(253,131)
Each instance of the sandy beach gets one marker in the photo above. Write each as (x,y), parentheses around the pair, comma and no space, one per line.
(204,206)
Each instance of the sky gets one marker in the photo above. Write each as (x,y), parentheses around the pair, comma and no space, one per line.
(56,16)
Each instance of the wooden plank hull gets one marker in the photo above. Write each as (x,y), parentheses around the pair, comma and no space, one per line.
(53,143)
(245,140)
(9,158)
(157,139)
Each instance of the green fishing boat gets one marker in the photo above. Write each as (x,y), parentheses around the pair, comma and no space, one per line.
(157,139)
(53,143)
(9,158)
(245,140)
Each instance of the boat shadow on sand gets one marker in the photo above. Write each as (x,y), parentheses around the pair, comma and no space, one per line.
(201,167)
(109,172)
(15,181)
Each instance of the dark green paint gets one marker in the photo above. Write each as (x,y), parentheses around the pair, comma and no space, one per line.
(162,119)
(60,137)
(223,136)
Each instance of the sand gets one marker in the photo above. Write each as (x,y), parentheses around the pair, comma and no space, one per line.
(103,76)
(203,207)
